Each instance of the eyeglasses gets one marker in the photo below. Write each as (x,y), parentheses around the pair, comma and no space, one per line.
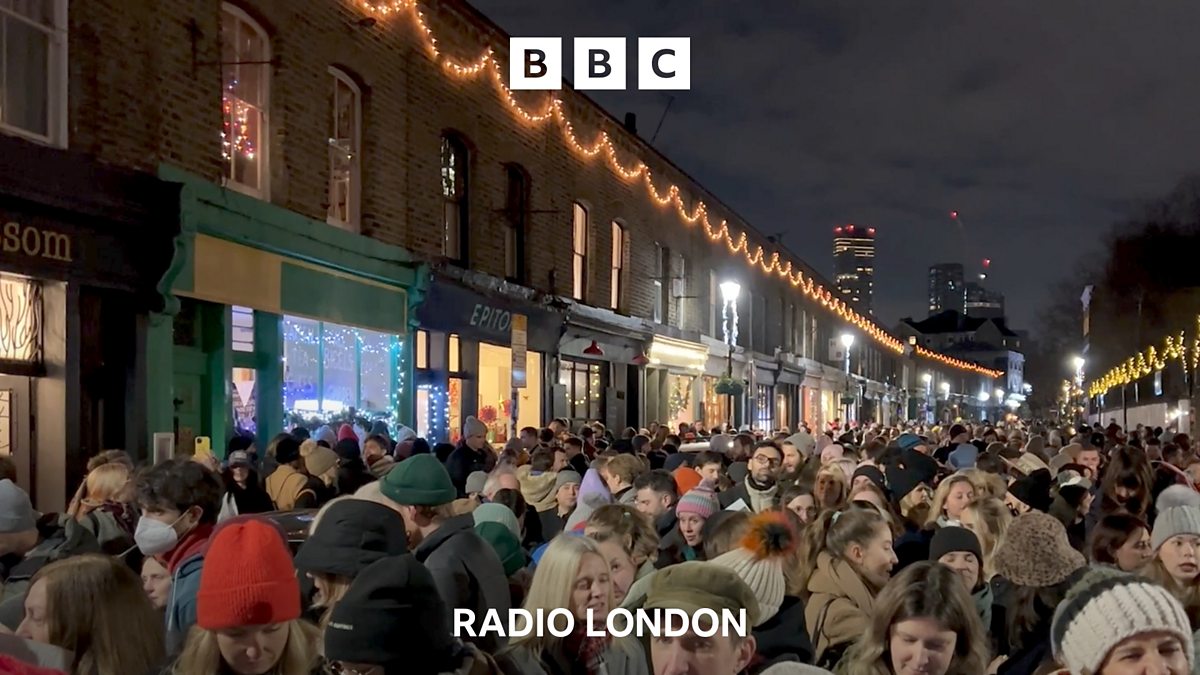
(763,459)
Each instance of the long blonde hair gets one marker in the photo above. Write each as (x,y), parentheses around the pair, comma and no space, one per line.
(96,609)
(202,656)
(922,590)
(993,520)
(551,587)
(1188,596)
(107,483)
(638,537)
(943,493)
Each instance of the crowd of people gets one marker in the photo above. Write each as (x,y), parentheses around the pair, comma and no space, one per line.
(1017,548)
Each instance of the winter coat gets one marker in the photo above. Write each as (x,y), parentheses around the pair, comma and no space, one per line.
(983,603)
(285,485)
(756,501)
(181,608)
(351,475)
(56,542)
(468,573)
(839,607)
(552,523)
(537,488)
(464,461)
(782,638)
(622,657)
(381,466)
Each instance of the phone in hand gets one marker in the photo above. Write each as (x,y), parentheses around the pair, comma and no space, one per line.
(203,447)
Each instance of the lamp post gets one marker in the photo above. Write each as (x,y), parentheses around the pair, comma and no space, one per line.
(999,405)
(1079,362)
(730,290)
(847,343)
(945,387)
(928,378)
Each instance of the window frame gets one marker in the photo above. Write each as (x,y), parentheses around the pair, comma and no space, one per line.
(660,310)
(461,201)
(57,78)
(579,250)
(516,218)
(354,191)
(263,190)
(620,249)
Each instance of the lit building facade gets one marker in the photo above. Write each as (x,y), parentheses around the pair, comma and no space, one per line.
(854,265)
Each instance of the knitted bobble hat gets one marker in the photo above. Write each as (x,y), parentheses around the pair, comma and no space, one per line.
(700,500)
(760,557)
(248,578)
(1175,521)
(1105,608)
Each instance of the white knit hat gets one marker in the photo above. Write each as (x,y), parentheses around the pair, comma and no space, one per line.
(759,560)
(1176,495)
(1107,607)
(1173,521)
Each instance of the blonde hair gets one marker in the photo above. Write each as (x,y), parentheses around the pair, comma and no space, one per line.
(551,587)
(1188,596)
(96,609)
(994,518)
(921,590)
(832,471)
(109,482)
(638,536)
(110,457)
(986,483)
(941,494)
(625,467)
(202,656)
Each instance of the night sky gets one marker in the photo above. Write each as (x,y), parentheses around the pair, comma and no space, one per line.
(1041,122)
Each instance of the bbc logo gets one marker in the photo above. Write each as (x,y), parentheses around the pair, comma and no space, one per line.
(535,63)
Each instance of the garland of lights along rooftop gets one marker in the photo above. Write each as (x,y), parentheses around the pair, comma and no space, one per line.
(555,109)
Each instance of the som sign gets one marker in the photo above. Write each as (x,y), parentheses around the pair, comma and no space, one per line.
(536,63)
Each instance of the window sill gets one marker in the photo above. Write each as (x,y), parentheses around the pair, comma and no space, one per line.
(31,137)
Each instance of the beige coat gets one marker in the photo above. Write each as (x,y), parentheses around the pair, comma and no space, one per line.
(840,606)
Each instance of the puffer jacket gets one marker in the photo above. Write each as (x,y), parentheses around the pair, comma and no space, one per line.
(839,607)
(537,488)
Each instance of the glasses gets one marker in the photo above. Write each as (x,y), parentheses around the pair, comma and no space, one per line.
(767,461)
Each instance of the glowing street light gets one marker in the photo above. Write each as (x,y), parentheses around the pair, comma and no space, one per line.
(927,378)
(999,394)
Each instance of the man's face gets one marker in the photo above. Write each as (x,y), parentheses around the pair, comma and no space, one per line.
(710,472)
(505,481)
(557,428)
(1090,457)
(791,458)
(694,655)
(372,449)
(560,460)
(652,503)
(567,496)
(529,440)
(765,464)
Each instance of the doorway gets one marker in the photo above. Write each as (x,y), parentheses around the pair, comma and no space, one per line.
(16,427)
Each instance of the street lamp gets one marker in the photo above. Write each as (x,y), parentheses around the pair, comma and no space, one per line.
(928,378)
(730,290)
(999,394)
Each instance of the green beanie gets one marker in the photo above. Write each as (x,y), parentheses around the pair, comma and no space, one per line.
(419,481)
(504,543)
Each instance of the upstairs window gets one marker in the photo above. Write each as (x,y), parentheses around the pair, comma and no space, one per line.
(579,248)
(454,197)
(516,217)
(344,142)
(617,272)
(33,69)
(245,73)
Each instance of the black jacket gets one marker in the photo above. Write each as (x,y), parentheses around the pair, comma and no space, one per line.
(784,637)
(464,461)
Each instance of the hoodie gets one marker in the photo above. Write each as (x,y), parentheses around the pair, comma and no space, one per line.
(593,494)
(537,488)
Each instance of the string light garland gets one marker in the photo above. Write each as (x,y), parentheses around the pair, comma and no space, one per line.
(1148,361)
(720,233)
(957,363)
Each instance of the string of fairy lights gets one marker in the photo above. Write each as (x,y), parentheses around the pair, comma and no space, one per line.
(721,233)
(1150,360)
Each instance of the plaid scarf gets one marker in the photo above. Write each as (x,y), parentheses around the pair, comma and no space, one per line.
(587,651)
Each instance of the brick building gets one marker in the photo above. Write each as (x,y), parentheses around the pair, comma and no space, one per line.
(363,219)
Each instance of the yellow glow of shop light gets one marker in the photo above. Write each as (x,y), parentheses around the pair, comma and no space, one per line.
(19,319)
(660,350)
(718,234)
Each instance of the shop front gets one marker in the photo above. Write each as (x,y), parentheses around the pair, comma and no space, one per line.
(675,386)
(599,366)
(279,321)
(717,409)
(482,354)
(788,401)
(82,250)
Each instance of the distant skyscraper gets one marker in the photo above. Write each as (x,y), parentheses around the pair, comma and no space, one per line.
(982,303)
(854,265)
(946,288)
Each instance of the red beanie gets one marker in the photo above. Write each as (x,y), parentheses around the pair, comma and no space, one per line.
(686,479)
(248,578)
(346,433)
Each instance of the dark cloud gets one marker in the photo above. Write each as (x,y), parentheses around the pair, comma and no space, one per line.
(1041,122)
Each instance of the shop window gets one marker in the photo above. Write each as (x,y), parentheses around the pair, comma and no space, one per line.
(585,389)
(454,405)
(421,350)
(454,198)
(433,412)
(783,407)
(764,408)
(245,74)
(344,142)
(678,290)
(494,407)
(329,367)
(680,403)
(20,320)
(33,69)
(617,270)
(243,329)
(516,212)
(716,406)
(579,250)
(453,357)
(245,400)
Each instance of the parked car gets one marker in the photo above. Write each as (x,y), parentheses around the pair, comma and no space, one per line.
(295,523)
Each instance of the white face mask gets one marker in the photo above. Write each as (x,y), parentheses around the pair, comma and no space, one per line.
(154,536)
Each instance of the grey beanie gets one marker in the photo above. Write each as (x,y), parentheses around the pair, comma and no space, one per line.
(1175,520)
(566,477)
(1176,495)
(16,512)
(475,482)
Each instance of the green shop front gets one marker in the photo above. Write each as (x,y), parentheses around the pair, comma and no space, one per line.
(279,320)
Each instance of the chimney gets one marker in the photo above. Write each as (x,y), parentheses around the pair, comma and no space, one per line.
(631,123)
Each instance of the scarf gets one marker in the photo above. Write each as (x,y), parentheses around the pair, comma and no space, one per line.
(586,651)
(192,543)
(762,498)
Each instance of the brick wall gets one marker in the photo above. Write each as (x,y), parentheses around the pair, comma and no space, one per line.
(145,89)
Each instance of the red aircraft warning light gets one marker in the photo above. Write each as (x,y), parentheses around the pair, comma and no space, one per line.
(954,215)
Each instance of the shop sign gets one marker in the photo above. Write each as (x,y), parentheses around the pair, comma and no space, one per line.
(519,338)
(35,242)
(452,308)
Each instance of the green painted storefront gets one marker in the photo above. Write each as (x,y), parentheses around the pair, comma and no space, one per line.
(236,251)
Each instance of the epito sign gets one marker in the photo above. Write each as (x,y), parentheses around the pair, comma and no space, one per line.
(535,63)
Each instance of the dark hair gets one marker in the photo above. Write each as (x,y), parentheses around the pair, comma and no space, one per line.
(708,457)
(574,441)
(722,534)
(768,444)
(1111,533)
(640,442)
(1129,469)
(546,435)
(512,499)
(380,440)
(542,459)
(179,484)
(990,463)
(659,480)
(8,469)
(529,430)
(674,439)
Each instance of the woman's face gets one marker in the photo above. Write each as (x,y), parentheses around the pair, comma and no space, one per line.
(593,584)
(859,481)
(871,497)
(1157,652)
(961,494)
(240,474)
(921,646)
(36,625)
(620,569)
(156,581)
(805,507)
(826,490)
(1178,555)
(691,527)
(966,565)
(253,650)
(1135,552)
(877,557)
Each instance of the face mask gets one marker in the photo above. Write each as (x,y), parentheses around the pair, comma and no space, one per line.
(154,537)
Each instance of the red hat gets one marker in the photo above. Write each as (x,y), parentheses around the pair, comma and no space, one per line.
(346,433)
(248,578)
(686,479)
